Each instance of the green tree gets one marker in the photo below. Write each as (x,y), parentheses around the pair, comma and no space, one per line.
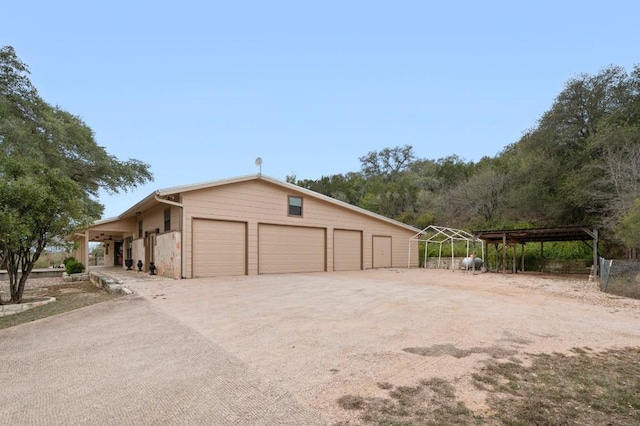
(580,164)
(395,199)
(388,162)
(39,204)
(479,199)
(453,170)
(555,164)
(51,171)
(628,227)
(347,187)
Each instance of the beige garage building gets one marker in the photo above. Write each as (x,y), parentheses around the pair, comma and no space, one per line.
(247,226)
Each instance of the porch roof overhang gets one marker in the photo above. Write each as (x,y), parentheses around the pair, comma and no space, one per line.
(108,229)
(142,206)
(116,227)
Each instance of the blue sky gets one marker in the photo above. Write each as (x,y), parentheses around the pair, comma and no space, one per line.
(199,89)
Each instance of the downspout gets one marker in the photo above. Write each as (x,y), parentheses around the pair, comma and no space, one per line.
(182,230)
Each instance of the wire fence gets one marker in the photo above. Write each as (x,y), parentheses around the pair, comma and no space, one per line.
(620,277)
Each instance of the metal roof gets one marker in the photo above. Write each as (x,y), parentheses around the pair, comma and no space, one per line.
(526,235)
(151,201)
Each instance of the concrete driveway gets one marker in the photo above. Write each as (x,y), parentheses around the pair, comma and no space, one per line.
(281,349)
(125,362)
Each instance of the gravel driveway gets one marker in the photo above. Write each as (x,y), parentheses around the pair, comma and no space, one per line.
(281,349)
(325,335)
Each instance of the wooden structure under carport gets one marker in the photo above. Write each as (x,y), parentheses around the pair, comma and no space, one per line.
(506,237)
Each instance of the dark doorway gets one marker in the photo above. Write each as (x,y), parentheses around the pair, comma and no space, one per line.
(117,250)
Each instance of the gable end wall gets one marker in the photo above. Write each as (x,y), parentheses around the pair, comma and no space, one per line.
(259,202)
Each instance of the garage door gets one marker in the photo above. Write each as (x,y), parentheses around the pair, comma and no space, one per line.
(347,250)
(219,248)
(381,252)
(285,249)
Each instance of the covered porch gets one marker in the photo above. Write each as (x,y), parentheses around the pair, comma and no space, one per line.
(113,234)
(150,233)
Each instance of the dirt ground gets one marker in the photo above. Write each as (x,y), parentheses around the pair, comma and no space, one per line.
(326,335)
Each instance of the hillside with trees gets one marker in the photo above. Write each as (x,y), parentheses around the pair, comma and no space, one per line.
(579,165)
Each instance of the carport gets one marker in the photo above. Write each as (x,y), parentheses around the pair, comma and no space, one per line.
(501,239)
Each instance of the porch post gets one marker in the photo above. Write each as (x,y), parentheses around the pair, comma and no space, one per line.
(504,253)
(85,252)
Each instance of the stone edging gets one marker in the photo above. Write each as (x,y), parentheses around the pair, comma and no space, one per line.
(11,309)
(108,283)
(75,277)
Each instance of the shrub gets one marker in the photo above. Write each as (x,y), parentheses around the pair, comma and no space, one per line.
(74,267)
(67,260)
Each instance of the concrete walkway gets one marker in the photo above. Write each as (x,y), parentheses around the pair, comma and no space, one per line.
(125,276)
(125,362)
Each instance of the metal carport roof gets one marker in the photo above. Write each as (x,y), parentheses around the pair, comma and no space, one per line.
(526,235)
(541,235)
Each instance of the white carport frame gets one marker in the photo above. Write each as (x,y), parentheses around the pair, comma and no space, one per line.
(441,235)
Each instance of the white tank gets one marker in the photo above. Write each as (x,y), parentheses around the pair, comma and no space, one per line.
(468,262)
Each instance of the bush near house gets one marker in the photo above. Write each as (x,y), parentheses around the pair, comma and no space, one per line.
(74,267)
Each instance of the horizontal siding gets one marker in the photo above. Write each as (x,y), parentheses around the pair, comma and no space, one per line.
(400,244)
(267,203)
(152,220)
(262,202)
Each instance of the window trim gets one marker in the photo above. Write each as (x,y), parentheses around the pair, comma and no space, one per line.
(289,206)
(129,249)
(167,219)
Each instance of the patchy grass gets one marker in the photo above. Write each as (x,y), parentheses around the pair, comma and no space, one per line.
(439,350)
(431,402)
(585,388)
(625,287)
(69,297)
(351,402)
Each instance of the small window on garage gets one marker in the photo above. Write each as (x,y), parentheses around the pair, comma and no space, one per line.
(295,206)
(167,219)
(139,229)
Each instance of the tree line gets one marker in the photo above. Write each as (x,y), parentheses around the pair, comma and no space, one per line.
(579,165)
